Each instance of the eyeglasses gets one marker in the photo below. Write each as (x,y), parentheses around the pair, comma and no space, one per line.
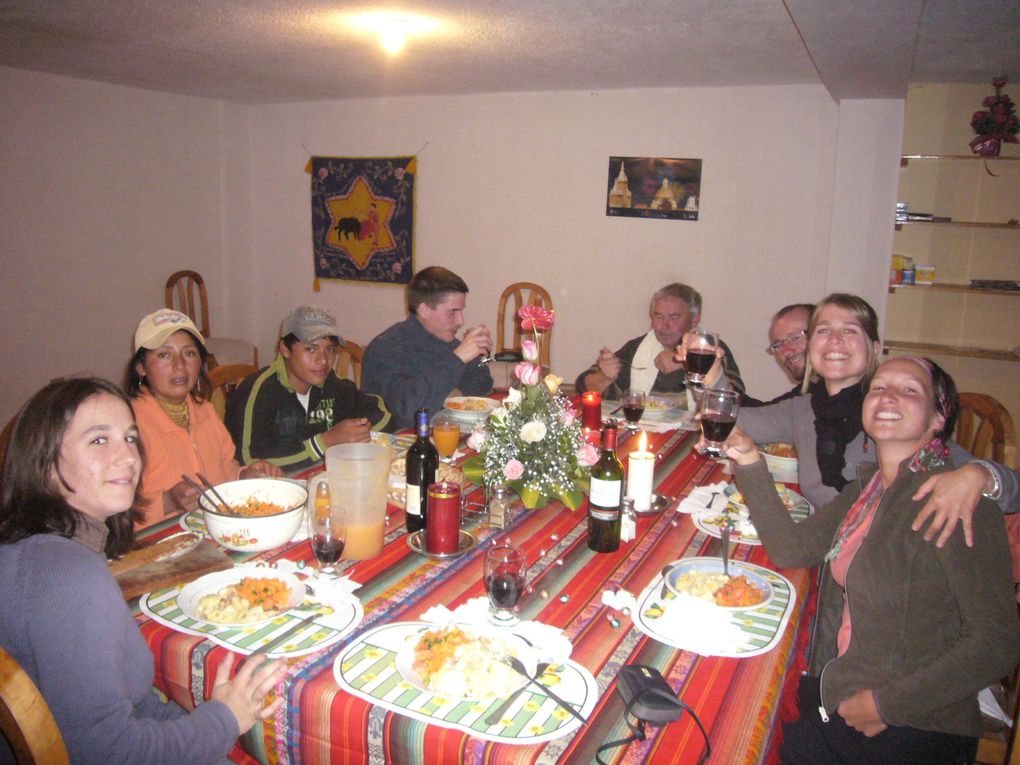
(777,346)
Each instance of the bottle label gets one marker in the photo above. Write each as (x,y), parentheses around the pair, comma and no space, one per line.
(413,499)
(604,515)
(605,493)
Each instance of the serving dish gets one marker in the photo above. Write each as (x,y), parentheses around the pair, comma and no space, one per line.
(255,533)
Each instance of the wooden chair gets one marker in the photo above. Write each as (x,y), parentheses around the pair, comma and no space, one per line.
(348,362)
(224,379)
(508,343)
(25,718)
(185,292)
(986,430)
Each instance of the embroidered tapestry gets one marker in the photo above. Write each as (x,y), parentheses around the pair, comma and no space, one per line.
(363,218)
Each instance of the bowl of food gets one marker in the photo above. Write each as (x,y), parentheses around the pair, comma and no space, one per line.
(470,409)
(260,513)
(742,590)
(781,460)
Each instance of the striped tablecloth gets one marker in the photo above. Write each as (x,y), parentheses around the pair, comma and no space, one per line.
(738,700)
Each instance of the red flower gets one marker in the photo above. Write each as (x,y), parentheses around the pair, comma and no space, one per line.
(535,317)
(990,101)
(998,82)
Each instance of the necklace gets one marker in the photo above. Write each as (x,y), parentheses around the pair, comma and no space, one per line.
(176,412)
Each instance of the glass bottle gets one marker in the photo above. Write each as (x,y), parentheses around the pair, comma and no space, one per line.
(604,494)
(499,507)
(628,520)
(422,464)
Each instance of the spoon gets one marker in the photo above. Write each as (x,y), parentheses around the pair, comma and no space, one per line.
(497,714)
(724,539)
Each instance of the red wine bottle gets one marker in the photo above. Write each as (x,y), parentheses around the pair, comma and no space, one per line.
(604,495)
(422,464)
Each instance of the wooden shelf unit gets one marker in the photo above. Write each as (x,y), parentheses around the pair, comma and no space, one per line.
(946,287)
(905,159)
(955,224)
(950,350)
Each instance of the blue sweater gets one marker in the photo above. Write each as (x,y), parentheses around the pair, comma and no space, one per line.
(412,368)
(64,619)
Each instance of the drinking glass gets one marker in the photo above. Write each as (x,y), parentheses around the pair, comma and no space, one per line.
(505,571)
(327,533)
(701,345)
(633,407)
(718,411)
(446,435)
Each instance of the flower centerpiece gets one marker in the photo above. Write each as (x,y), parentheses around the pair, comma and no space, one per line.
(533,441)
(996,123)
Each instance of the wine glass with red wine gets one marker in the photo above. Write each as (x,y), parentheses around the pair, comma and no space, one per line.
(701,345)
(505,575)
(327,533)
(633,407)
(718,412)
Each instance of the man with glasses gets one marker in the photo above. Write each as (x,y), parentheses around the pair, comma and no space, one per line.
(291,411)
(788,343)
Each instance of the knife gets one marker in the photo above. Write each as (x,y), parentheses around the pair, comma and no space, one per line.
(497,714)
(281,639)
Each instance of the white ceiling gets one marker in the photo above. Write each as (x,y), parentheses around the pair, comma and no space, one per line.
(271,51)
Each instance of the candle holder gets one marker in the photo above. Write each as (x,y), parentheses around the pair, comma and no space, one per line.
(591,410)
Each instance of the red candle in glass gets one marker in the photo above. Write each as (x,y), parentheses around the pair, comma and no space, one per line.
(442,519)
(591,410)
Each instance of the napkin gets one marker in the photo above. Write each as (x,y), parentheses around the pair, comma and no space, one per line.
(697,625)
(696,503)
(548,642)
(621,600)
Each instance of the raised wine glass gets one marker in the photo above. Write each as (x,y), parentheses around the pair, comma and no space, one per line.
(327,533)
(718,411)
(505,571)
(633,407)
(701,345)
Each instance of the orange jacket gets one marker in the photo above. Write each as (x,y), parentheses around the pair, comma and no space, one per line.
(171,451)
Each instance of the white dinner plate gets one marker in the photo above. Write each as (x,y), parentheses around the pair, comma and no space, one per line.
(212,583)
(404,660)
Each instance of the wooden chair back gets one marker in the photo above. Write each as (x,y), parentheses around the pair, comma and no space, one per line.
(185,292)
(25,718)
(348,362)
(224,379)
(986,430)
(508,326)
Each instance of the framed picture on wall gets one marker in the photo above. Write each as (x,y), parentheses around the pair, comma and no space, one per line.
(654,187)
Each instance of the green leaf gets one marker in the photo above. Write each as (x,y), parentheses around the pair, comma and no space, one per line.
(532,499)
(474,468)
(572,498)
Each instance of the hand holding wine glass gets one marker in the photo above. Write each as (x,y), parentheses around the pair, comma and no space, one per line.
(505,571)
(700,353)
(476,345)
(718,414)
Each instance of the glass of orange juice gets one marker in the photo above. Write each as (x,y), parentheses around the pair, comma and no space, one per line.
(446,435)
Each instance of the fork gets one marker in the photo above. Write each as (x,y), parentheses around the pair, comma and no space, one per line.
(518,666)
(497,714)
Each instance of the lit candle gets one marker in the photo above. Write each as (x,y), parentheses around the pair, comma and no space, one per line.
(591,410)
(640,475)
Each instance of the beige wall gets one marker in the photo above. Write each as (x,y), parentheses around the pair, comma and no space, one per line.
(938,122)
(106,190)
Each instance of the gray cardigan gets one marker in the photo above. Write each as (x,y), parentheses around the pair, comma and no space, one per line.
(792,422)
(931,626)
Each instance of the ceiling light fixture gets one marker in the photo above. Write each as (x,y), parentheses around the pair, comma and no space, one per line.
(394,28)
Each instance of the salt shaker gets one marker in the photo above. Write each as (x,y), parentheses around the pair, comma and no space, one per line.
(628,520)
(499,508)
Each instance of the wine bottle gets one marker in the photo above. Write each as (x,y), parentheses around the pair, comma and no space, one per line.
(422,464)
(604,495)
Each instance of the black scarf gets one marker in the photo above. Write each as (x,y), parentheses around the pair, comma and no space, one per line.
(837,423)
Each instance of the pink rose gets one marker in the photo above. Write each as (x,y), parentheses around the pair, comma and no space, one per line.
(587,455)
(475,440)
(534,317)
(513,470)
(569,415)
(528,373)
(529,349)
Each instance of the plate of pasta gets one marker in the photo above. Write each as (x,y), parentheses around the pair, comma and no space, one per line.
(703,578)
(240,597)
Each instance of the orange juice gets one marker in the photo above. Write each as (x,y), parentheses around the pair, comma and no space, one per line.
(364,542)
(447,437)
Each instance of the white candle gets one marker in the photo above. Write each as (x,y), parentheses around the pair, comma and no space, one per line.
(640,469)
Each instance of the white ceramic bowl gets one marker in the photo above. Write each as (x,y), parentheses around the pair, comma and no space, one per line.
(257,533)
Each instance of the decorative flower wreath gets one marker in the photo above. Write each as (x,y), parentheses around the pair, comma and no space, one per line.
(533,442)
(996,123)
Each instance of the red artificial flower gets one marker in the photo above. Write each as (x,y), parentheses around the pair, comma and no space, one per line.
(535,317)
(998,82)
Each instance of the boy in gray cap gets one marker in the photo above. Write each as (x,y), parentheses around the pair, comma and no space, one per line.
(293,410)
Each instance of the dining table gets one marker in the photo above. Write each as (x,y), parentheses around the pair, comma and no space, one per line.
(740,700)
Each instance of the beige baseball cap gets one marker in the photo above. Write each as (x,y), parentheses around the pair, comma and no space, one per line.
(154,329)
(308,324)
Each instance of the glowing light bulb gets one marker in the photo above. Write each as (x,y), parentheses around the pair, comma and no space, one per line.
(392,40)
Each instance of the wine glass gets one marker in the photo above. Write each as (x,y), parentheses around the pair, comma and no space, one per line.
(505,570)
(718,411)
(701,345)
(327,533)
(446,435)
(633,407)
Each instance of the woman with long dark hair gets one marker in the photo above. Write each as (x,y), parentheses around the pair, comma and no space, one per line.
(70,480)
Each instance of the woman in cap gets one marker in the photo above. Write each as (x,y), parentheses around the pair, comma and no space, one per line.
(181,431)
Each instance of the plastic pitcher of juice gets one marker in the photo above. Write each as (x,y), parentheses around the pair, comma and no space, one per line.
(358,476)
